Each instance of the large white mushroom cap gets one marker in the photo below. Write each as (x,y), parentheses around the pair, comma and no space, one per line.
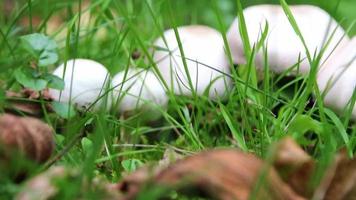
(283,45)
(337,77)
(85,81)
(202,46)
(139,88)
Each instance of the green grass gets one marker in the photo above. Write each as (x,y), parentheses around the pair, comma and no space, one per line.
(252,117)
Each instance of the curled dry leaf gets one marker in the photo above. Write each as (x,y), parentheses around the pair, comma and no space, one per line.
(217,174)
(132,183)
(28,135)
(31,94)
(294,166)
(27,101)
(42,182)
(339,182)
(45,186)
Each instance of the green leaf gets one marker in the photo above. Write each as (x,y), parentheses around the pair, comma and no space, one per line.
(295,26)
(64,110)
(341,129)
(87,145)
(27,79)
(47,58)
(54,81)
(59,139)
(232,126)
(304,123)
(131,165)
(42,47)
(38,42)
(243,30)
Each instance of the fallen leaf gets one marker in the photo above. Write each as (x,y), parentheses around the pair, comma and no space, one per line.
(217,174)
(28,135)
(27,101)
(31,94)
(339,182)
(133,182)
(40,187)
(45,186)
(294,166)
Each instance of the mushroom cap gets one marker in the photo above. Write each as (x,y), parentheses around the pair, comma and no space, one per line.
(337,77)
(85,81)
(202,46)
(283,44)
(140,88)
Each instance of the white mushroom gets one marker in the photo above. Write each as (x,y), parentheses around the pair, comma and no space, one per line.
(85,81)
(138,89)
(203,48)
(284,46)
(337,78)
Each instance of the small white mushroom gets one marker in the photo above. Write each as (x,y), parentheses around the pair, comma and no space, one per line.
(85,81)
(284,46)
(138,89)
(203,48)
(337,77)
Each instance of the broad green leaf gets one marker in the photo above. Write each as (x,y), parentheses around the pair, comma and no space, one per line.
(42,47)
(54,81)
(27,79)
(38,42)
(303,123)
(87,145)
(64,110)
(47,58)
(59,138)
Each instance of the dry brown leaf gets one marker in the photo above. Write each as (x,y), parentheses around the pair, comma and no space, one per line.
(40,187)
(132,183)
(28,135)
(31,94)
(294,166)
(218,174)
(339,182)
(22,101)
(43,186)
